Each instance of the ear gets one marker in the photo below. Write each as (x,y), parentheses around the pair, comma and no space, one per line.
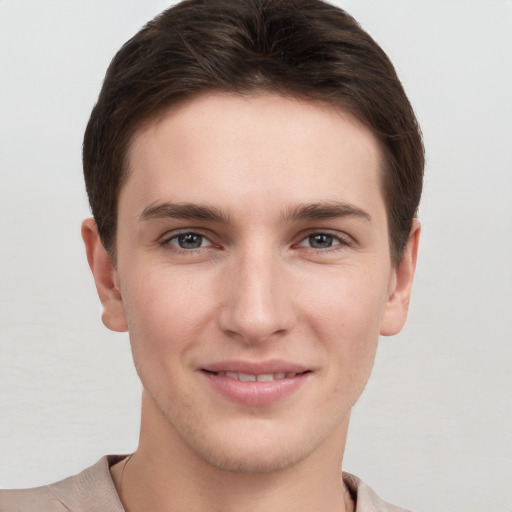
(401,285)
(105,277)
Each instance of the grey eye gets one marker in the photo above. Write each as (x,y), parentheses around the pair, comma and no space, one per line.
(189,241)
(321,241)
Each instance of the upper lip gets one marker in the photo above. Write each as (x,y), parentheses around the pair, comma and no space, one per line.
(255,367)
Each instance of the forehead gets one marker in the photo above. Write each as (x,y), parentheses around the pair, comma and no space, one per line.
(229,146)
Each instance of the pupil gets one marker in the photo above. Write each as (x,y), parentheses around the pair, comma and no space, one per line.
(190,241)
(320,241)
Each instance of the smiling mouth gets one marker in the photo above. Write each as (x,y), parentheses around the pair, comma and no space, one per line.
(256,387)
(262,377)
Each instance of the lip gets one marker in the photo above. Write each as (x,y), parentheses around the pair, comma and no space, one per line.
(255,394)
(255,367)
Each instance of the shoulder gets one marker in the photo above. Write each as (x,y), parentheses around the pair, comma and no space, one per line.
(90,490)
(22,500)
(365,498)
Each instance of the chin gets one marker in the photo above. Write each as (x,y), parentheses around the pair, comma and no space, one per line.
(255,452)
(263,461)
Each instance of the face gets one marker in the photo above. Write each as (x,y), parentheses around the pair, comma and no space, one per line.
(254,276)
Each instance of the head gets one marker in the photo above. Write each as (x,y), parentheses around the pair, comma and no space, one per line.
(305,49)
(254,168)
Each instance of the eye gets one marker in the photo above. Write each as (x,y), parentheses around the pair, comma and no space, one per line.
(188,241)
(320,241)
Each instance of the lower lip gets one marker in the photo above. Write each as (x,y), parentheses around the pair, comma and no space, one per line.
(255,394)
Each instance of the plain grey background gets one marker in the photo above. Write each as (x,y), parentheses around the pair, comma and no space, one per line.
(433,430)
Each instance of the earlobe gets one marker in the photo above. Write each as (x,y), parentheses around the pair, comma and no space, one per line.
(105,277)
(401,286)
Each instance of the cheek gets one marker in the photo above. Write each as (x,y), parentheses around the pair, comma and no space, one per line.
(160,322)
(346,319)
(349,327)
(352,303)
(165,311)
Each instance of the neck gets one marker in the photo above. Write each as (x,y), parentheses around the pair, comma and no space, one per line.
(165,475)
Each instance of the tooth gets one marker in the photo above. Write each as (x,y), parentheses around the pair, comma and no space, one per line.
(265,377)
(231,375)
(290,375)
(244,377)
(279,376)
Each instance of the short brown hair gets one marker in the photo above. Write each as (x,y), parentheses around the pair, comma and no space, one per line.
(303,48)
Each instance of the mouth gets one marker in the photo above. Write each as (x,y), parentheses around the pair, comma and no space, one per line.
(261,377)
(256,385)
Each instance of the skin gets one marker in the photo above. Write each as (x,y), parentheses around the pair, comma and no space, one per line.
(271,275)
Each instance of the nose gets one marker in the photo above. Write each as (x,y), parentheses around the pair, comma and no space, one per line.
(257,298)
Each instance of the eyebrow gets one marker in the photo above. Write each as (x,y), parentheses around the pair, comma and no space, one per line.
(312,211)
(327,210)
(185,211)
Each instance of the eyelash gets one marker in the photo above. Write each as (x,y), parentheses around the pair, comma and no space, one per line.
(166,242)
(340,241)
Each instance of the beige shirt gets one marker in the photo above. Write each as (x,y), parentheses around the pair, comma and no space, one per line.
(93,490)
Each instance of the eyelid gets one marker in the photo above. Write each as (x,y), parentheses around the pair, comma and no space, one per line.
(170,233)
(199,235)
(342,238)
(174,234)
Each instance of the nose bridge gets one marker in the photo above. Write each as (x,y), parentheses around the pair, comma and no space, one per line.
(256,302)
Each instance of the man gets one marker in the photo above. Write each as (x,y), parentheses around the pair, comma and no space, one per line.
(254,170)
